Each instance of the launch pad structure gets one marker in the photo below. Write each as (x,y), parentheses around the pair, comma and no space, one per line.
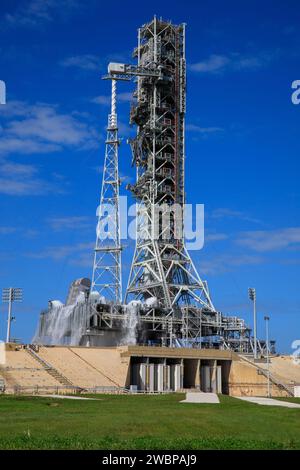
(166,301)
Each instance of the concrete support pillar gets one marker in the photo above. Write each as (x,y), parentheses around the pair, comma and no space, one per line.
(165,375)
(147,381)
(143,377)
(160,377)
(214,376)
(151,383)
(198,375)
(181,373)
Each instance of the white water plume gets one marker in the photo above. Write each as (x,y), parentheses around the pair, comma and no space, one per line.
(63,324)
(131,322)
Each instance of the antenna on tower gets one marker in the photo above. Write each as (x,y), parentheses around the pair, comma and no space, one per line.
(107,272)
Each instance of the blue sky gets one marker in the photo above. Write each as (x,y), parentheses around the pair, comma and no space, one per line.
(242,147)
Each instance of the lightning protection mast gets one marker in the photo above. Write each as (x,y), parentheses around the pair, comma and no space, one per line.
(107,273)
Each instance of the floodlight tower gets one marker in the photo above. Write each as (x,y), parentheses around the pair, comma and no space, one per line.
(252,296)
(10,295)
(107,274)
(267,319)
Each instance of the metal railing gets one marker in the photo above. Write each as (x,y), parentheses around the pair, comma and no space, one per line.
(59,390)
(67,390)
(276,381)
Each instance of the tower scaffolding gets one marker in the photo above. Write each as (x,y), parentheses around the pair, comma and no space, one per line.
(107,273)
(161,265)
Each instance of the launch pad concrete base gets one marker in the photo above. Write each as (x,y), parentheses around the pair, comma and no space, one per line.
(66,370)
(269,402)
(199,397)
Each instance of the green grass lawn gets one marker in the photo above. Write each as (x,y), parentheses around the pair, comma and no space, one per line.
(144,422)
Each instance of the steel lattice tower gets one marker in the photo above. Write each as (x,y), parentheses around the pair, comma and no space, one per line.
(161,266)
(175,307)
(107,275)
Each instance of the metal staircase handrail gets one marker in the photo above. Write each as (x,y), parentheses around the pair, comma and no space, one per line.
(265,373)
(48,367)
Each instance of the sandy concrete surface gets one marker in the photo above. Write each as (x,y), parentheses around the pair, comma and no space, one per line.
(200,397)
(269,402)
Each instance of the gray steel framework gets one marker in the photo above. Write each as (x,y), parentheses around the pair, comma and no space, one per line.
(107,274)
(161,265)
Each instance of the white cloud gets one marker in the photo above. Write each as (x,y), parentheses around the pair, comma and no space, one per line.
(226,213)
(42,128)
(203,130)
(215,237)
(29,187)
(126,178)
(11,144)
(84,260)
(105,100)
(225,263)
(216,63)
(69,223)
(222,212)
(125,129)
(17,169)
(33,13)
(23,180)
(21,231)
(7,230)
(84,62)
(78,252)
(125,97)
(272,240)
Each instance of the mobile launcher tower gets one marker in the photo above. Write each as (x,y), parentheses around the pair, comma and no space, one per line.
(166,302)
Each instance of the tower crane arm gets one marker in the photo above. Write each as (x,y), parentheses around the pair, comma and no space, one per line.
(119,71)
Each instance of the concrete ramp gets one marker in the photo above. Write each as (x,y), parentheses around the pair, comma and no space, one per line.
(201,397)
(269,402)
